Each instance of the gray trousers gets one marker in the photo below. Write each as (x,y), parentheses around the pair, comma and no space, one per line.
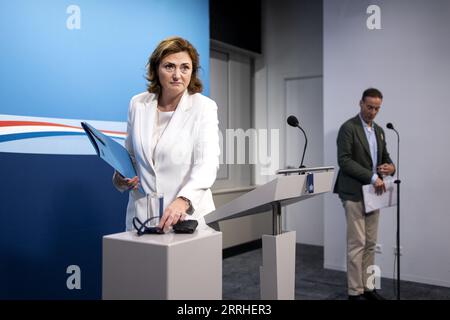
(362,232)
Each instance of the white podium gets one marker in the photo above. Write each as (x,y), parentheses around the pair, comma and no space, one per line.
(277,274)
(169,266)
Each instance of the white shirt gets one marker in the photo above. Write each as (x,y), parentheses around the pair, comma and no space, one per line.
(372,140)
(162,120)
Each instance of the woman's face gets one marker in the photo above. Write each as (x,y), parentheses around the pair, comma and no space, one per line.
(174,72)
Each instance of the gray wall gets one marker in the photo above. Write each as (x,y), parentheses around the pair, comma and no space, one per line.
(288,80)
(231,83)
(409,60)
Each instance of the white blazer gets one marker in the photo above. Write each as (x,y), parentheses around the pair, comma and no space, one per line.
(186,156)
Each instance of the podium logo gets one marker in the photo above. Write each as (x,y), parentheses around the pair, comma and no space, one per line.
(374,280)
(73,21)
(74,280)
(374,20)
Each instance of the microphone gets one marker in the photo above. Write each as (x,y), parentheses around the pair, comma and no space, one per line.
(293,122)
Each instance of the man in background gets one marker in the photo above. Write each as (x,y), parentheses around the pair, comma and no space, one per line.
(363,159)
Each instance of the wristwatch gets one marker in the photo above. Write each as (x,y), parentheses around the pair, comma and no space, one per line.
(190,209)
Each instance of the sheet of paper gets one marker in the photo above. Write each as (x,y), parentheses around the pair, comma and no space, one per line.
(372,201)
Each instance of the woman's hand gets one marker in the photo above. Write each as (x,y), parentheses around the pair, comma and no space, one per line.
(175,212)
(127,183)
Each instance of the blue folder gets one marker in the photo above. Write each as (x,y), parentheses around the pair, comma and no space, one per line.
(111,151)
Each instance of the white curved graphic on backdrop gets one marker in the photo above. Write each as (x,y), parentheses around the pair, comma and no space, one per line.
(20,134)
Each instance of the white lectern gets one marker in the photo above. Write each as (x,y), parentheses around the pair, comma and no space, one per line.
(277,274)
(169,266)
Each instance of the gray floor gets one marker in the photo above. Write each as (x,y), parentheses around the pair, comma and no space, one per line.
(312,281)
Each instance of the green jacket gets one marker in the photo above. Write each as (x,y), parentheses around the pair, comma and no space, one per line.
(355,162)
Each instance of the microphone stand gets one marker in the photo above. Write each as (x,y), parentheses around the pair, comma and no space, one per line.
(293,122)
(304,148)
(397,182)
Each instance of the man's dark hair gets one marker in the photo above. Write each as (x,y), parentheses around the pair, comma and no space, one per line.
(373,93)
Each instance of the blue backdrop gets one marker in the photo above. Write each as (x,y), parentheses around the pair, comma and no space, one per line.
(54,209)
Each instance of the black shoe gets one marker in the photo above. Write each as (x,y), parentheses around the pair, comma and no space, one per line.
(373,295)
(358,297)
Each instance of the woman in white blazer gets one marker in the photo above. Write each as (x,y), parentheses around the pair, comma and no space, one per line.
(172,138)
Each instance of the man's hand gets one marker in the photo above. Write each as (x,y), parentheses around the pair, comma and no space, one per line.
(386,169)
(379,186)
